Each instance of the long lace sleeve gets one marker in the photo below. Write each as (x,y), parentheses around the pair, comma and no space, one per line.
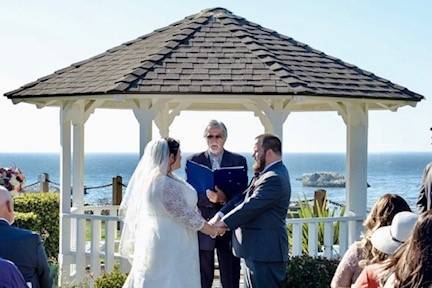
(175,204)
(348,269)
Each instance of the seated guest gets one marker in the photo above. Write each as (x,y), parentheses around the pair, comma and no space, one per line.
(22,247)
(387,240)
(361,253)
(10,276)
(411,265)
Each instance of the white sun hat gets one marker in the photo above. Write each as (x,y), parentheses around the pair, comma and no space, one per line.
(388,239)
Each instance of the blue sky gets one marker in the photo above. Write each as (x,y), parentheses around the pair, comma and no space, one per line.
(389,38)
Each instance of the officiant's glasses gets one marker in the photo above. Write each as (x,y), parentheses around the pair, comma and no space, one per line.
(218,136)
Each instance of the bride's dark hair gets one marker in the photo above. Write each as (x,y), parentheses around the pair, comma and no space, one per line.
(173,145)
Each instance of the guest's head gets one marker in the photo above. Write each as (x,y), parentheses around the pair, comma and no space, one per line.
(6,205)
(412,262)
(382,214)
(215,134)
(267,149)
(174,154)
(384,210)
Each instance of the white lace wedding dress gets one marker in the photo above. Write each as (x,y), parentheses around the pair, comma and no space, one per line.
(166,249)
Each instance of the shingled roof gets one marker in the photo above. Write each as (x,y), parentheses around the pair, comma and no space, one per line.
(214,52)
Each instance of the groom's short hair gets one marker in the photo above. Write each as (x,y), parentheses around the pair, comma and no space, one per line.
(270,141)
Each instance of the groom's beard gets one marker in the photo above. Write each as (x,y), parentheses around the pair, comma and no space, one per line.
(259,164)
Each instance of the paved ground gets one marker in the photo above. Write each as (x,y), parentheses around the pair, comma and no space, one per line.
(216,282)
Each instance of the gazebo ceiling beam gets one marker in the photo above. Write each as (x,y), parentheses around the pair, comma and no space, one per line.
(233,105)
(239,97)
(44,104)
(166,115)
(272,113)
(216,102)
(79,111)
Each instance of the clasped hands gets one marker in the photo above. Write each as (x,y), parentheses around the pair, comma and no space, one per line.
(218,196)
(219,227)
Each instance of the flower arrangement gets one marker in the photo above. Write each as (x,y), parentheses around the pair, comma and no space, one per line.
(12,179)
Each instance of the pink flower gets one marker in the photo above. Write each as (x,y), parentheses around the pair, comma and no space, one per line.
(12,178)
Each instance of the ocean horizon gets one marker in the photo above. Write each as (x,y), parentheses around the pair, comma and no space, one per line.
(388,172)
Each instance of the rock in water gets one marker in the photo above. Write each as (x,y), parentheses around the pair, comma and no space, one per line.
(323,179)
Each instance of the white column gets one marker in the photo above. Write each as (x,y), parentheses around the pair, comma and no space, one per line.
(162,124)
(78,164)
(146,132)
(65,198)
(145,120)
(277,119)
(356,164)
(162,119)
(78,237)
(75,113)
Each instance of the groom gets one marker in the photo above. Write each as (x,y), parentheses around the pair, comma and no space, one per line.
(216,157)
(258,222)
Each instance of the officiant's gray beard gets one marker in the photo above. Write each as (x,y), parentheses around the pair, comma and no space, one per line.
(259,164)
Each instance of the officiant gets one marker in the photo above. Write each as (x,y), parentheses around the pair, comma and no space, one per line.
(216,157)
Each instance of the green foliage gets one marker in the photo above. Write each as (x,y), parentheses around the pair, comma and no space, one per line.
(115,279)
(306,210)
(23,219)
(54,270)
(308,272)
(39,212)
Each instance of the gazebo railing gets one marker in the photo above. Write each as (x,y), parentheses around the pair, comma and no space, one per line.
(316,236)
(95,233)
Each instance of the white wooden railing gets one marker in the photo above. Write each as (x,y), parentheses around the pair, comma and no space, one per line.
(89,249)
(328,248)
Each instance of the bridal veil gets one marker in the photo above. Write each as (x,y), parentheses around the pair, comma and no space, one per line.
(141,187)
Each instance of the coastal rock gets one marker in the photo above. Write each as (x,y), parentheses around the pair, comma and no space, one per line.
(323,179)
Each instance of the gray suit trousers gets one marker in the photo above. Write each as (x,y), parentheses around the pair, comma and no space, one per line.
(264,274)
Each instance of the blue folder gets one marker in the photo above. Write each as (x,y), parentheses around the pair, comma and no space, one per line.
(231,180)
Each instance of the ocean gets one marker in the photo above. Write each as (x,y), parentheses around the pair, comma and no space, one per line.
(398,173)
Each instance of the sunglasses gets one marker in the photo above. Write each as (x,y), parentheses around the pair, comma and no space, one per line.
(218,136)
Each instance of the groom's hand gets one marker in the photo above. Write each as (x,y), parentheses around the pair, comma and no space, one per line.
(217,196)
(221,227)
(214,220)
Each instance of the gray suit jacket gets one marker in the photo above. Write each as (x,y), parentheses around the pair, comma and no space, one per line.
(26,251)
(424,201)
(259,220)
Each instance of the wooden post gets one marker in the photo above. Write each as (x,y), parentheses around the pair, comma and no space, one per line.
(43,182)
(117,190)
(320,197)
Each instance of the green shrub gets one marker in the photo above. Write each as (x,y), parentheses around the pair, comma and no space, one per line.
(308,272)
(23,219)
(39,212)
(111,280)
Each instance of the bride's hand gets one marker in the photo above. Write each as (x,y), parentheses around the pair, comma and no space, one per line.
(220,228)
(213,230)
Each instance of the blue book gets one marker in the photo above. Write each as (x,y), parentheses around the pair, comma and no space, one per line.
(231,180)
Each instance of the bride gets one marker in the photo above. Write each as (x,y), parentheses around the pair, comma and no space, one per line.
(161,221)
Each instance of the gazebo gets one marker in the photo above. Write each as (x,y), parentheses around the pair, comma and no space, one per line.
(213,60)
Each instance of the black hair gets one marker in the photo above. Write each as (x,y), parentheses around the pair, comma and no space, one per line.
(173,145)
(271,142)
